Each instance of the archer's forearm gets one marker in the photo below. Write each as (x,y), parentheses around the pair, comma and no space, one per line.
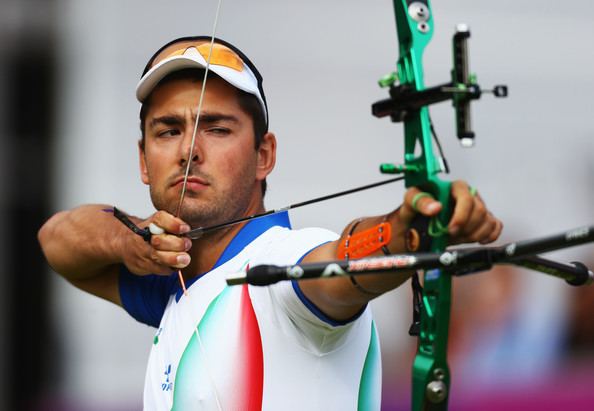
(370,286)
(341,297)
(83,242)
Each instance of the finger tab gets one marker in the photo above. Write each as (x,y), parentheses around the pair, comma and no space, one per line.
(155,229)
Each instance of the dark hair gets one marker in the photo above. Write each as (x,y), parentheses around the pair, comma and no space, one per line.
(248,103)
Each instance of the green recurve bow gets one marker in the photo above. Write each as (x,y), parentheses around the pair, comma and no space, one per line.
(408,103)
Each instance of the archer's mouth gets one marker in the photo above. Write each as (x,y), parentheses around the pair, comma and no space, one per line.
(193,184)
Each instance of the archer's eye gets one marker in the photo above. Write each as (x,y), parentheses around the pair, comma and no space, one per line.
(168,133)
(217,131)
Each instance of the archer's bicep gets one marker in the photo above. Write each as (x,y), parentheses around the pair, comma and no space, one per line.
(323,252)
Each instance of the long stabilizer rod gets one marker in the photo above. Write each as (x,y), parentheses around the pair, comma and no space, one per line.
(455,262)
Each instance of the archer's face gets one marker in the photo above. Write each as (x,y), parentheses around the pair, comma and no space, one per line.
(226,169)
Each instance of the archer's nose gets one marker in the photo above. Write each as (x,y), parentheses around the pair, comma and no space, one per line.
(191,149)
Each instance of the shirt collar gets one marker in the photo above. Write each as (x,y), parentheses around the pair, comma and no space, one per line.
(248,233)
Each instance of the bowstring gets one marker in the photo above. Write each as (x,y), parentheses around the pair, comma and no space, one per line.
(183,192)
(200,101)
(195,132)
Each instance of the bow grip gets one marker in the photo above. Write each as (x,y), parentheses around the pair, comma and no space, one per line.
(424,233)
(417,238)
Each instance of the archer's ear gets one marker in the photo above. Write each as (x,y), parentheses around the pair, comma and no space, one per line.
(142,161)
(266,156)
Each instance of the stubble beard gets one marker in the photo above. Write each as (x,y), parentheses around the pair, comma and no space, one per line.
(220,206)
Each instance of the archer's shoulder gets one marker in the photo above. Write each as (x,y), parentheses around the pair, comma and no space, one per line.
(309,235)
(282,245)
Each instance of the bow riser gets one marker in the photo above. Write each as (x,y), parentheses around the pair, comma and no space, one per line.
(431,378)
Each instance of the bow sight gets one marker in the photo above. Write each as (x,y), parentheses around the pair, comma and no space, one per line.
(463,88)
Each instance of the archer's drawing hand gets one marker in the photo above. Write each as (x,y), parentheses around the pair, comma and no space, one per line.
(165,253)
(471,220)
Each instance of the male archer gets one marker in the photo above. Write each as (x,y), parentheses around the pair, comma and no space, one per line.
(308,345)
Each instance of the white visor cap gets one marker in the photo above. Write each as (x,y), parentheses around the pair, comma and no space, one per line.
(239,77)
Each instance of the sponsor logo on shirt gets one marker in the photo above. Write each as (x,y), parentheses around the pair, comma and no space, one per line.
(156,339)
(167,385)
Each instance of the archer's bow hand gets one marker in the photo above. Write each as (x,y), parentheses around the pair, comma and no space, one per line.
(471,220)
